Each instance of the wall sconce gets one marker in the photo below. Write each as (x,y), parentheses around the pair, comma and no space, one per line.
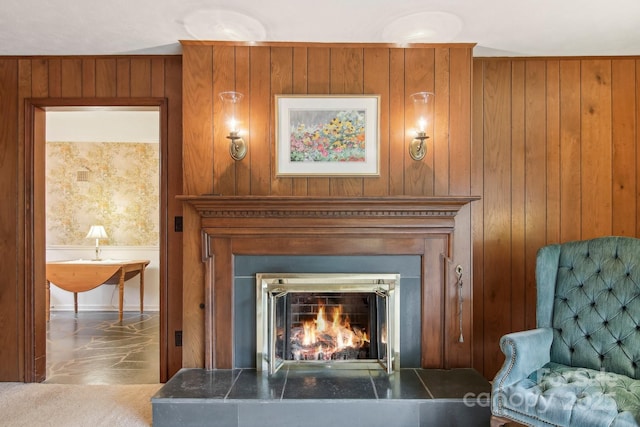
(230,101)
(423,103)
(97,232)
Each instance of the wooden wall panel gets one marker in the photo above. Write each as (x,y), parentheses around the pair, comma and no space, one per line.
(595,85)
(71,78)
(89,77)
(624,108)
(11,292)
(347,77)
(167,78)
(376,80)
(197,163)
(224,67)
(518,197)
(561,135)
(281,83)
(260,113)
(299,85)
(497,202)
(535,180)
(106,77)
(393,73)
(65,81)
(570,151)
(319,83)
(397,145)
(282,68)
(243,69)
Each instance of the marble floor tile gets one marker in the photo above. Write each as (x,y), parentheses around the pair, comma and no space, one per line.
(93,347)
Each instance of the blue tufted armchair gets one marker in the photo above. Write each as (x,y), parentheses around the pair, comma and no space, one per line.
(581,366)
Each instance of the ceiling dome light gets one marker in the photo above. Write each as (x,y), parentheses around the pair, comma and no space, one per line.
(423,27)
(224,25)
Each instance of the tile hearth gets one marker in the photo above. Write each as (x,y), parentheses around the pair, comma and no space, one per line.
(295,397)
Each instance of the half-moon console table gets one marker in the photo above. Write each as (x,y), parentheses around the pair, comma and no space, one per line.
(83,275)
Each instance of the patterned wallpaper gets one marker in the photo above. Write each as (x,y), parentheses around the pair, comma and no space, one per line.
(114,184)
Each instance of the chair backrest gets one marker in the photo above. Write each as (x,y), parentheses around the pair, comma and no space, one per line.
(589,293)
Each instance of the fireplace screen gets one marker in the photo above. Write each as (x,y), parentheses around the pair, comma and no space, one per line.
(345,321)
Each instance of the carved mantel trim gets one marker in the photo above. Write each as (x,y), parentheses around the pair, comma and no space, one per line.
(290,225)
(295,207)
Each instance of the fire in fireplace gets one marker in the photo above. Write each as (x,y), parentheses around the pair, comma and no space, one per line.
(337,320)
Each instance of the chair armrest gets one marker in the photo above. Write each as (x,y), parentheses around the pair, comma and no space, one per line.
(525,352)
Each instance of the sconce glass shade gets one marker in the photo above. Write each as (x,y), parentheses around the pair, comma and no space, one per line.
(423,107)
(230,102)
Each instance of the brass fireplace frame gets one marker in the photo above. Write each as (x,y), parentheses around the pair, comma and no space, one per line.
(269,285)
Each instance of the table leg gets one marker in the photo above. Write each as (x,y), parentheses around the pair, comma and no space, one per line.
(142,289)
(75,302)
(120,294)
(48,300)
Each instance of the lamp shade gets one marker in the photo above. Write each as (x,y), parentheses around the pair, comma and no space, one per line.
(96,232)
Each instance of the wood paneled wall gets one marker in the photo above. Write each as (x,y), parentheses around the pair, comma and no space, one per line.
(558,143)
(262,71)
(84,79)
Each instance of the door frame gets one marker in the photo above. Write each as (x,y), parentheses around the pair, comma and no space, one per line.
(35,225)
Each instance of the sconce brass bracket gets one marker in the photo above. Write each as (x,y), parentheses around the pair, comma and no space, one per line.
(417,147)
(237,146)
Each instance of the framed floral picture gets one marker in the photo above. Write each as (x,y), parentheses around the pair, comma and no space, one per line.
(327,135)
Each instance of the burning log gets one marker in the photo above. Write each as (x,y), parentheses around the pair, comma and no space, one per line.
(323,340)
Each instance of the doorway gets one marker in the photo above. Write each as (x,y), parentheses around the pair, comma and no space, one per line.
(103,174)
(35,128)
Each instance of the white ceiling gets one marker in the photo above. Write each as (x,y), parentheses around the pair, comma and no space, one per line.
(498,27)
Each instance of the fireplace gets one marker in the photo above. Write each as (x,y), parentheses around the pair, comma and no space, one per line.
(342,321)
(259,227)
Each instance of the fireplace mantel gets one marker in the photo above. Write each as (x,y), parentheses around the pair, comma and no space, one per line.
(388,214)
(291,225)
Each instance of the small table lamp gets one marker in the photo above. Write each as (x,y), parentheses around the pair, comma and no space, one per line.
(97,232)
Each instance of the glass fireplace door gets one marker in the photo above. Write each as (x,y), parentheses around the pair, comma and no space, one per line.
(339,321)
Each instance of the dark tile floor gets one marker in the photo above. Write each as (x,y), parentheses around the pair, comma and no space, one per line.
(93,347)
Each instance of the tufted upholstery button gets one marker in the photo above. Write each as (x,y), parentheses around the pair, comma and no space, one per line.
(605,323)
(637,327)
(588,336)
(571,349)
(593,304)
(634,364)
(560,329)
(610,290)
(576,317)
(619,342)
(601,357)
(581,285)
(623,308)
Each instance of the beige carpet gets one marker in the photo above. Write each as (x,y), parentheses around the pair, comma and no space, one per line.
(74,405)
